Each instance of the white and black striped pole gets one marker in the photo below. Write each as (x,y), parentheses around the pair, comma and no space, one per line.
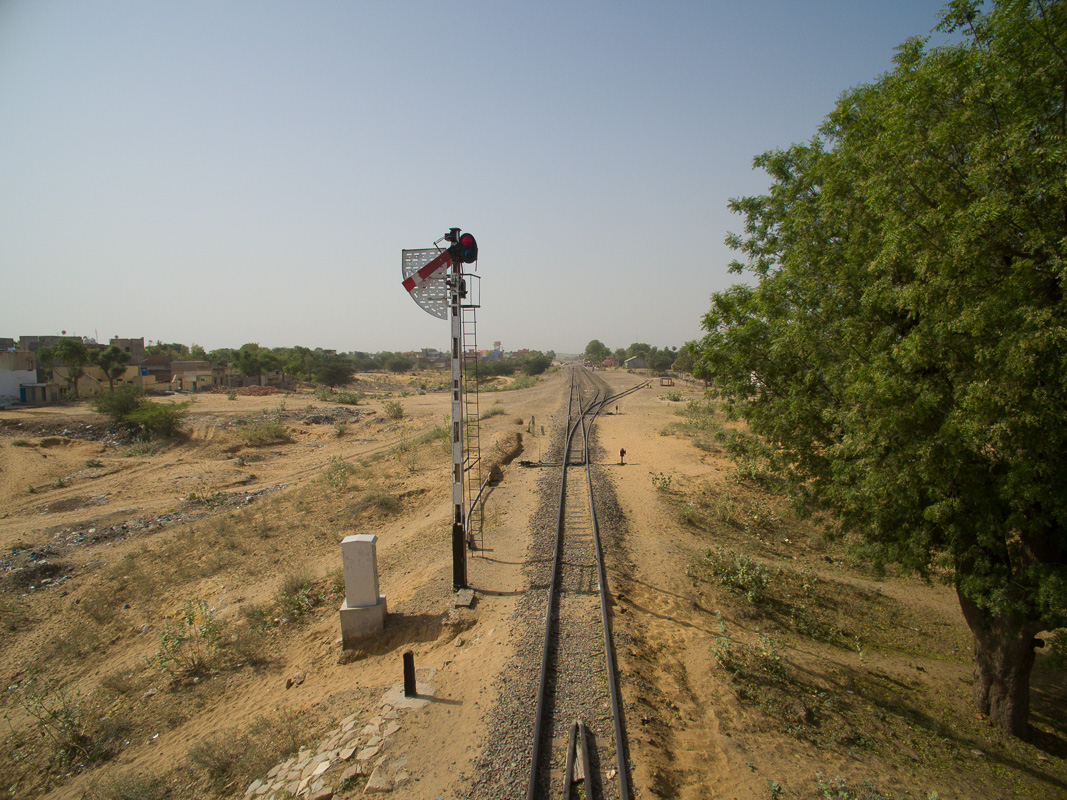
(439,291)
(459,548)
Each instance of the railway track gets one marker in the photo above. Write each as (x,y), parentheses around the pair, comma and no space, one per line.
(579,747)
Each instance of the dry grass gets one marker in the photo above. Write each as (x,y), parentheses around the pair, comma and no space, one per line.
(811,646)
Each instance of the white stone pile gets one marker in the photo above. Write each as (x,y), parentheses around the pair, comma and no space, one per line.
(347,753)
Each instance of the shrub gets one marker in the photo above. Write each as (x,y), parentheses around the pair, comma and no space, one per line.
(118,404)
(338,473)
(494,411)
(76,731)
(295,598)
(159,419)
(393,409)
(233,758)
(377,500)
(740,574)
(188,645)
(127,406)
(349,398)
(265,432)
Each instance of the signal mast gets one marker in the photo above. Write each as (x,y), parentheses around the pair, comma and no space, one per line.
(435,279)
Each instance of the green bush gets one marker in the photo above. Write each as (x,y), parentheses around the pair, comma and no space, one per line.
(739,573)
(295,598)
(118,404)
(393,409)
(127,406)
(159,419)
(188,645)
(349,398)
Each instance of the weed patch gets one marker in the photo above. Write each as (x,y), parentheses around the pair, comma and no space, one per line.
(263,432)
(189,644)
(376,501)
(234,758)
(493,411)
(75,731)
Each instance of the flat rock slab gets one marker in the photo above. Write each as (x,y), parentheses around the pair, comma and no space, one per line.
(377,782)
(394,695)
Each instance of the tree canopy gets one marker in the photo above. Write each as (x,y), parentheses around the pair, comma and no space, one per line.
(75,357)
(596,351)
(112,361)
(901,347)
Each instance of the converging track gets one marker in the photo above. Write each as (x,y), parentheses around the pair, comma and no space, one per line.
(578,729)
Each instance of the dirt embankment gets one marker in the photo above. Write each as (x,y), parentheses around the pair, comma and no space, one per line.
(754,654)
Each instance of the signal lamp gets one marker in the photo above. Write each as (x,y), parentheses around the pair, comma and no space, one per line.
(465,250)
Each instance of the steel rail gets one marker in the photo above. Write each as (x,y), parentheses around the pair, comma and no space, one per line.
(553,590)
(586,416)
(622,774)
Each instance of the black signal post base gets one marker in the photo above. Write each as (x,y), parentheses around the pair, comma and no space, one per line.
(459,558)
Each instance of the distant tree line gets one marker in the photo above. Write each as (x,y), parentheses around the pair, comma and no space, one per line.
(531,363)
(326,367)
(659,360)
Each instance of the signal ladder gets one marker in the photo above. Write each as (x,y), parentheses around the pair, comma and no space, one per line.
(472,454)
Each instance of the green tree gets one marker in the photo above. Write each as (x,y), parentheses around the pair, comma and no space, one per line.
(333,370)
(536,363)
(222,357)
(596,351)
(399,363)
(113,362)
(683,359)
(902,344)
(639,349)
(75,357)
(660,360)
(46,356)
(174,351)
(299,361)
(252,360)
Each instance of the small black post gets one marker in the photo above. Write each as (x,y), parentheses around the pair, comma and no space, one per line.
(409,674)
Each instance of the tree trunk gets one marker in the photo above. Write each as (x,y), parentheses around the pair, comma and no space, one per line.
(1003,658)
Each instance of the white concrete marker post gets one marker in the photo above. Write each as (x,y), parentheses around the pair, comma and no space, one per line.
(363,611)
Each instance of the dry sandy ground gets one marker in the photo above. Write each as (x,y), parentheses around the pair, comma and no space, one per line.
(690,734)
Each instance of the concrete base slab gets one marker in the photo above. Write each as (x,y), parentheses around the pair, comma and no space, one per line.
(361,622)
(394,696)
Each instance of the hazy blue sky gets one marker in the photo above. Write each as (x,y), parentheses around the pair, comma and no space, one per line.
(227,171)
